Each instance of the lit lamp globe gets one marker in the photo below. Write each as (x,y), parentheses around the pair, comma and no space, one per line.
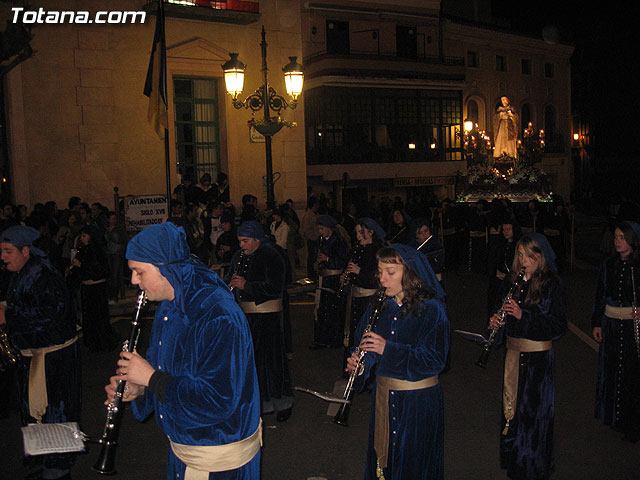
(234,75)
(468,125)
(293,77)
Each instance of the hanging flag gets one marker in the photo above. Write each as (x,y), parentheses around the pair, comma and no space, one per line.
(155,86)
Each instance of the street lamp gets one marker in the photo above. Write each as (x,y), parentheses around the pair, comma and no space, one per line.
(265,98)
(468,125)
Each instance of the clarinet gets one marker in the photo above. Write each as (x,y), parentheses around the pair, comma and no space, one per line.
(342,417)
(514,293)
(356,256)
(636,323)
(397,235)
(240,267)
(109,440)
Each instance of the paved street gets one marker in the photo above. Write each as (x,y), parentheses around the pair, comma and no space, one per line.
(310,445)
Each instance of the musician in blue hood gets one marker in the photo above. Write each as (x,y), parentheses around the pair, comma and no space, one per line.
(404,352)
(41,323)
(531,324)
(333,254)
(199,375)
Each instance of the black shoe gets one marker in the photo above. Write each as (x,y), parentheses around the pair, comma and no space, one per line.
(317,346)
(283,415)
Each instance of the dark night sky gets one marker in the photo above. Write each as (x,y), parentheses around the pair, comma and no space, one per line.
(606,66)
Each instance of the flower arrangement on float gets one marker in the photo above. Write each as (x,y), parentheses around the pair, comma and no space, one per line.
(504,176)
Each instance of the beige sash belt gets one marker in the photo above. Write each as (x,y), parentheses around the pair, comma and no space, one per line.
(384,385)
(511,372)
(204,459)
(359,292)
(619,313)
(38,399)
(270,306)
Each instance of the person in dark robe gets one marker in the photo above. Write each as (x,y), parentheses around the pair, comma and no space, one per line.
(227,244)
(532,323)
(556,229)
(93,270)
(361,277)
(333,254)
(258,280)
(531,219)
(205,191)
(478,237)
(448,229)
(429,245)
(40,323)
(404,353)
(222,186)
(398,229)
(199,374)
(618,380)
(500,260)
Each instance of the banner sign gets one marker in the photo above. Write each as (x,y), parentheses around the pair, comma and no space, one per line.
(140,211)
(423,181)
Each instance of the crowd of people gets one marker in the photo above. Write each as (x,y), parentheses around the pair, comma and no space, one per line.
(220,276)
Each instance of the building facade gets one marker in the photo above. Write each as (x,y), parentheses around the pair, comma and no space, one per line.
(390,83)
(77,118)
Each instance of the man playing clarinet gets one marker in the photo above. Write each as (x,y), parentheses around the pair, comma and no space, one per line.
(199,375)
(259,289)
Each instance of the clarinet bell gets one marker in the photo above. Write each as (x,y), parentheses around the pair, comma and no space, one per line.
(105,465)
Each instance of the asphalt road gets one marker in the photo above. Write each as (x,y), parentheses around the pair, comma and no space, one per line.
(309,445)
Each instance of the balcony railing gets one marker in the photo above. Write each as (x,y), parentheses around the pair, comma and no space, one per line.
(387,56)
(225,11)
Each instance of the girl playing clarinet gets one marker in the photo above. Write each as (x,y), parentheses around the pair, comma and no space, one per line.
(526,443)
(405,352)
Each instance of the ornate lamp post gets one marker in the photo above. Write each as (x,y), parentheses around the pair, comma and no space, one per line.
(265,98)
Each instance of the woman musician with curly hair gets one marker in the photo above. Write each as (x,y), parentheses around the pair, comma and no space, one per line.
(531,324)
(614,328)
(405,352)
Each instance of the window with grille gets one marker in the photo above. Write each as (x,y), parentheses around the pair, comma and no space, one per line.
(472,59)
(197,127)
(501,63)
(549,70)
(375,125)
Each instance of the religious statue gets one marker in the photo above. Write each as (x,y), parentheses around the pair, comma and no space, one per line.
(505,130)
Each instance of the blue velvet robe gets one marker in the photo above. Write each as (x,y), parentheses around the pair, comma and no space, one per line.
(618,384)
(213,397)
(329,320)
(39,314)
(526,452)
(416,349)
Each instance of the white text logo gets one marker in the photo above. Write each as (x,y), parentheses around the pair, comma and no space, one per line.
(67,16)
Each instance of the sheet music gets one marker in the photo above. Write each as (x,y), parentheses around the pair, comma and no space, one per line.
(40,439)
